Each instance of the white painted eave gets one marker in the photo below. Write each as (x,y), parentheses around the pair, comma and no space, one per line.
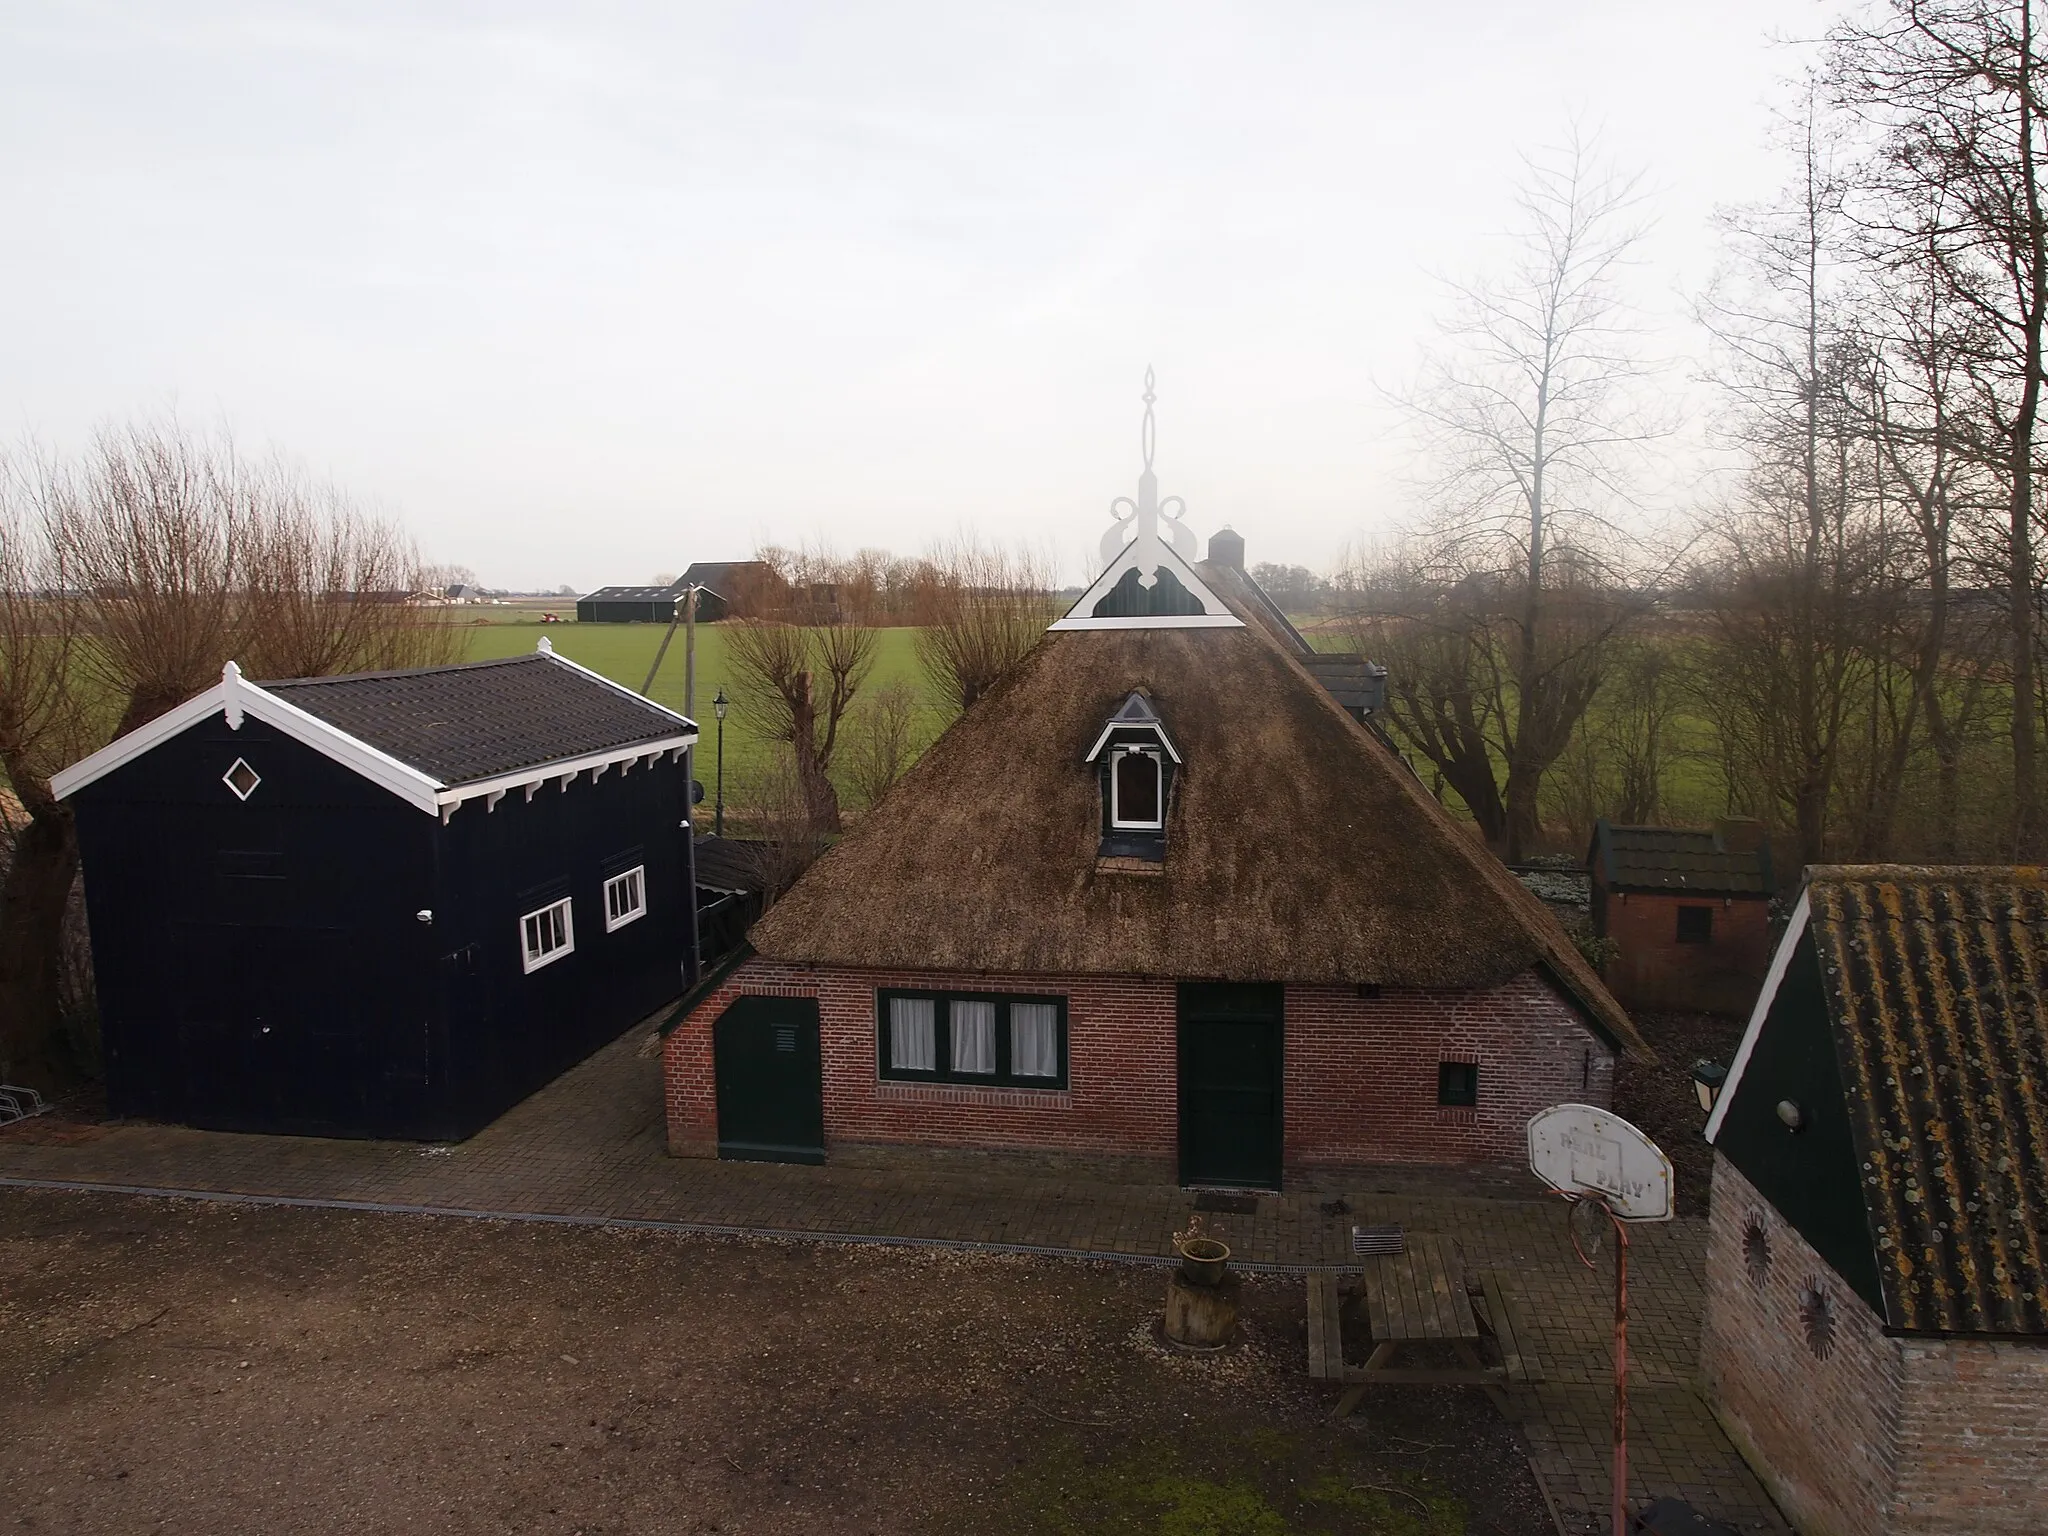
(1781,962)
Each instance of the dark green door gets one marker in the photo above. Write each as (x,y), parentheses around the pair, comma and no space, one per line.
(1230,1085)
(771,1088)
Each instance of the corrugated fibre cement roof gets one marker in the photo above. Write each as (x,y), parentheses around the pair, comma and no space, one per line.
(1934,979)
(480,719)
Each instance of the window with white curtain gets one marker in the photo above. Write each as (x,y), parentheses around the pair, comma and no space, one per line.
(913,1034)
(973,1030)
(1016,1041)
(1035,1039)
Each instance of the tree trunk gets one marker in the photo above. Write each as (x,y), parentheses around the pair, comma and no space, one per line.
(821,800)
(2026,813)
(33,898)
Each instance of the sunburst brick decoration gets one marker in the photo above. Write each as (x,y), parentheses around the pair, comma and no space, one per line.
(1817,1320)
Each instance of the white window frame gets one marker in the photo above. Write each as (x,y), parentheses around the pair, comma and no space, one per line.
(533,959)
(1117,820)
(638,875)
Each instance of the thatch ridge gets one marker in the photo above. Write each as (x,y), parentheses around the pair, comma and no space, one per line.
(1299,848)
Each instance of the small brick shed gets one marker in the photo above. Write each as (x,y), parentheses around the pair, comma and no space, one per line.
(1688,909)
(1159,903)
(1876,1335)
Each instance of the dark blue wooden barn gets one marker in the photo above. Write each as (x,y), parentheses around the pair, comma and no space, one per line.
(388,904)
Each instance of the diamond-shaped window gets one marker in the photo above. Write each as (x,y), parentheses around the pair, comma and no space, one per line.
(242,779)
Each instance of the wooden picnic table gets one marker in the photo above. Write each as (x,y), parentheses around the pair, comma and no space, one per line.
(1417,1296)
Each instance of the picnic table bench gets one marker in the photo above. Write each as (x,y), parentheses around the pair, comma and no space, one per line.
(1419,1295)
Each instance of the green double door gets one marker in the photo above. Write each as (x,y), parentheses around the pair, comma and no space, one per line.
(771,1086)
(1231,1088)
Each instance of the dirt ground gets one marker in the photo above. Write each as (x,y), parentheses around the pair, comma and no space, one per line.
(180,1366)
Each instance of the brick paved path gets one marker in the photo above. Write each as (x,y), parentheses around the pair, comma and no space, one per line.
(590,1148)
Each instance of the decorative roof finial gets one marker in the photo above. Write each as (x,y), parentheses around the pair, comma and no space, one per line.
(1138,524)
(1146,436)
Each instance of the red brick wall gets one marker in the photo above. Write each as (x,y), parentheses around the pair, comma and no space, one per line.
(1973,1438)
(1361,1073)
(1819,1433)
(1884,1437)
(1654,970)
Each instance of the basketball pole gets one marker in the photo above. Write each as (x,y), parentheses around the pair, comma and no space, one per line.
(1620,1507)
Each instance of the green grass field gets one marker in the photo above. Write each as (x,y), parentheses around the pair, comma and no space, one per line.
(623,653)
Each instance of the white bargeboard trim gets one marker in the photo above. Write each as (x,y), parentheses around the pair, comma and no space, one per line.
(1217,616)
(1781,962)
(236,699)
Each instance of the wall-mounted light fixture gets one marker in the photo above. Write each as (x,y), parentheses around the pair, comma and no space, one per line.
(1793,1116)
(1708,1079)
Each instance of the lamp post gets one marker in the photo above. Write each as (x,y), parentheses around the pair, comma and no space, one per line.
(718,707)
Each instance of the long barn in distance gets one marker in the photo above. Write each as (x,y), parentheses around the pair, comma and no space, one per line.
(387,904)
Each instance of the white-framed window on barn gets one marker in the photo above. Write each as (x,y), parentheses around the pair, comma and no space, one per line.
(1137,797)
(547,935)
(1000,1039)
(625,898)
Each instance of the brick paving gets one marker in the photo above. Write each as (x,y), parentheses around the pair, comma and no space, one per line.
(590,1148)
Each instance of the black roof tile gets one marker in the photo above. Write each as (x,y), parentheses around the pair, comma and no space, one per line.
(480,719)
(1678,859)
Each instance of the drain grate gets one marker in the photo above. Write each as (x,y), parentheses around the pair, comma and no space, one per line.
(1376,1239)
(1234,1205)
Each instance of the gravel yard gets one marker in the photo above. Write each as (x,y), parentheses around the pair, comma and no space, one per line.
(180,1366)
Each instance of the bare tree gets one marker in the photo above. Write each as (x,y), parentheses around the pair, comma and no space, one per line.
(980,610)
(802,648)
(882,743)
(1532,409)
(1955,91)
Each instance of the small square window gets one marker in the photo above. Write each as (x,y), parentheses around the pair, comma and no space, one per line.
(1695,925)
(547,935)
(1457,1084)
(625,898)
(242,779)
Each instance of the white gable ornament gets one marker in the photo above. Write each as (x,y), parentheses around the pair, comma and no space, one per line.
(1148,579)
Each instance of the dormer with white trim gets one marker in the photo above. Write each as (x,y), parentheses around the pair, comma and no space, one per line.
(1135,761)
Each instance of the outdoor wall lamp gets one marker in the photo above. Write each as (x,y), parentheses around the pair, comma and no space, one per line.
(1708,1078)
(1793,1116)
(425,914)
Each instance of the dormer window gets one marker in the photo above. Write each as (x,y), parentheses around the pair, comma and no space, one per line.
(1137,784)
(1136,761)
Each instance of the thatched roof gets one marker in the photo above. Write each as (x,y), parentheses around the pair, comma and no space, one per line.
(1299,849)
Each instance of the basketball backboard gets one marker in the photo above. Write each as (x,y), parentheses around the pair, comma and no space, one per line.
(1580,1149)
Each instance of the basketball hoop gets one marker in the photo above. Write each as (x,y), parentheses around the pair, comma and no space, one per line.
(1613,1175)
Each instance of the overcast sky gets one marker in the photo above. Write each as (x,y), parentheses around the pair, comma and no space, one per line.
(586,291)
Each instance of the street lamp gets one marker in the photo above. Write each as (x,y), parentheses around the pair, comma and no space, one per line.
(718,707)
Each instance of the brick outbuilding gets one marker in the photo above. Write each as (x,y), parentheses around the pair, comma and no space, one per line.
(1161,902)
(1688,910)
(1876,1335)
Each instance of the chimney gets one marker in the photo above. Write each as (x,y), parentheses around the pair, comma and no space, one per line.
(1227,548)
(1739,834)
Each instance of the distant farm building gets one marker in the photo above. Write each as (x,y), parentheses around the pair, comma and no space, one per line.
(1876,1335)
(1688,910)
(629,605)
(390,904)
(730,588)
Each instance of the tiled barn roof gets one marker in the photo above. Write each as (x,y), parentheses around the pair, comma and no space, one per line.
(1934,982)
(480,719)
